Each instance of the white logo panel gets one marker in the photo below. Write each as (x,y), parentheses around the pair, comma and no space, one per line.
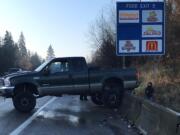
(152,16)
(129,46)
(129,16)
(152,31)
(152,45)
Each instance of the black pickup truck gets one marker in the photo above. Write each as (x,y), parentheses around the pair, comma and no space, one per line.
(68,75)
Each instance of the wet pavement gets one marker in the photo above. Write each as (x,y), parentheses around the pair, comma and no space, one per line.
(62,116)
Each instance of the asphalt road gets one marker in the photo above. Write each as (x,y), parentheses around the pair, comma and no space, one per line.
(62,116)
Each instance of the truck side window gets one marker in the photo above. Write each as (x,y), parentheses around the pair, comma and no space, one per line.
(58,67)
(79,66)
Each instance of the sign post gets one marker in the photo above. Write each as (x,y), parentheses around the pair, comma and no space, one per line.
(140,28)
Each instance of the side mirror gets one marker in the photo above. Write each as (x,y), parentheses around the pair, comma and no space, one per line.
(46,71)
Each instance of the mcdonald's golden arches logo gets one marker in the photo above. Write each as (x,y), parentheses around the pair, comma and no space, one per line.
(152,46)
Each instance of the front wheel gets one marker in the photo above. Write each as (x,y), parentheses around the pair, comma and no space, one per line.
(24,102)
(112,95)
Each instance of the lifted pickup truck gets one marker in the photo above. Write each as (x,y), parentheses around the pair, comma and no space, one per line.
(68,75)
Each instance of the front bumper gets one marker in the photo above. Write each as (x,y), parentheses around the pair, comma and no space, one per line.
(6,91)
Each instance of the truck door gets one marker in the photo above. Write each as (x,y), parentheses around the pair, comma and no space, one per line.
(58,80)
(80,76)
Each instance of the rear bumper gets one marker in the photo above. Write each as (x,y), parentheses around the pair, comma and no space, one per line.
(131,84)
(6,91)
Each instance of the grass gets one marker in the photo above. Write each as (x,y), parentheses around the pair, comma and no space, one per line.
(165,82)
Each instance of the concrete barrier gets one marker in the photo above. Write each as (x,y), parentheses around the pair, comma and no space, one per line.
(135,108)
(170,121)
(149,117)
(149,120)
(125,105)
(131,107)
(158,120)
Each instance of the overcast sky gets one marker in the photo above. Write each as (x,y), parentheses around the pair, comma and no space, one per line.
(62,23)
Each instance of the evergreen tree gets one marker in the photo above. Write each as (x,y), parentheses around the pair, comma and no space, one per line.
(22,46)
(16,51)
(8,52)
(50,53)
(23,58)
(16,55)
(35,61)
(8,40)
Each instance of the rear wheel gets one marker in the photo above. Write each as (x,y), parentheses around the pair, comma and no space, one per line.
(112,96)
(97,99)
(24,102)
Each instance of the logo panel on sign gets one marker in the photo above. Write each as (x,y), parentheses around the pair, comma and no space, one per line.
(129,46)
(151,45)
(152,16)
(152,31)
(129,16)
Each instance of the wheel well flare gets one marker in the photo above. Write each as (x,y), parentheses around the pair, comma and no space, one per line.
(26,87)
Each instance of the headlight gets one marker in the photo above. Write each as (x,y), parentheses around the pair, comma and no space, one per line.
(7,82)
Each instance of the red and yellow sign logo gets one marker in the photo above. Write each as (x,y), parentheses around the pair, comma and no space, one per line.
(152,46)
(129,16)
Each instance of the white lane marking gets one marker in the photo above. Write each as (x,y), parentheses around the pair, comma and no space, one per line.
(29,120)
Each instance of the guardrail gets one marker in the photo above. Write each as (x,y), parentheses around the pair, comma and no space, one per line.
(149,117)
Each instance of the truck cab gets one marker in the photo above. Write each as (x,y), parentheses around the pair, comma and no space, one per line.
(63,76)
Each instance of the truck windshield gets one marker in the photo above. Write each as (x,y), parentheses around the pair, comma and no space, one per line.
(42,66)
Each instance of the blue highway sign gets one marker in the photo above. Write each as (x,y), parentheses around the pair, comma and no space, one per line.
(140,28)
